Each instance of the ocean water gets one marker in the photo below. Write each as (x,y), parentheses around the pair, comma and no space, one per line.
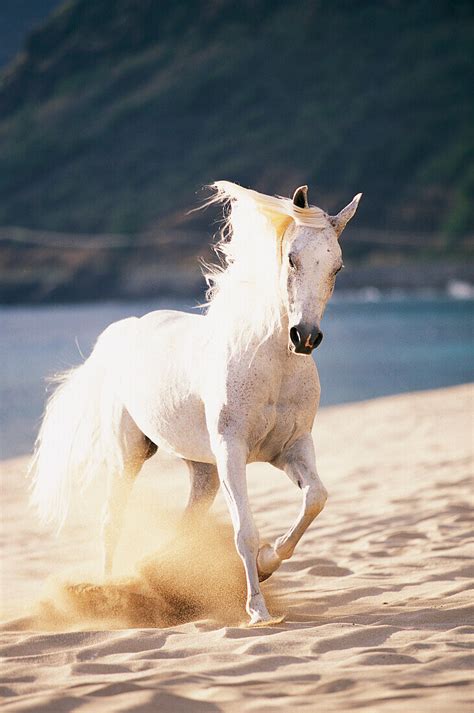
(370,349)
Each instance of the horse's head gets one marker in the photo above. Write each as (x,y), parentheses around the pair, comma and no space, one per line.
(311,259)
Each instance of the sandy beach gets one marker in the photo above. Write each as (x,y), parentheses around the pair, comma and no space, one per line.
(377,598)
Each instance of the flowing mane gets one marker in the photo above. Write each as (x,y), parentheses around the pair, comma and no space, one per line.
(250,246)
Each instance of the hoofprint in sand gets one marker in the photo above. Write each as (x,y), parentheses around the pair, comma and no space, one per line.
(377,600)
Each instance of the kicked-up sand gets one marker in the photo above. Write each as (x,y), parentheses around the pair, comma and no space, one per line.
(377,597)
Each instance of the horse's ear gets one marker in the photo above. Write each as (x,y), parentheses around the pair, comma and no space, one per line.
(340,220)
(300,197)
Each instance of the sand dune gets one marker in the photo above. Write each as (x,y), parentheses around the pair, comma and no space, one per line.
(377,596)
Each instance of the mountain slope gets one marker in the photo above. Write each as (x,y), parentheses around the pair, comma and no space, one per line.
(119,111)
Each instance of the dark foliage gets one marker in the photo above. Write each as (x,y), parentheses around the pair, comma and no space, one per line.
(118,111)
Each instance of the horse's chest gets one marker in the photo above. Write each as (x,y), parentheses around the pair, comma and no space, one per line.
(287,414)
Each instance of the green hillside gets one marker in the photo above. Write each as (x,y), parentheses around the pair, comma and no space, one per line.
(118,111)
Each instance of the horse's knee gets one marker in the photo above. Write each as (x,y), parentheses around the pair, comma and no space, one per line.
(316,497)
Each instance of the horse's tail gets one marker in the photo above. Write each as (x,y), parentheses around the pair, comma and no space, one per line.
(80,435)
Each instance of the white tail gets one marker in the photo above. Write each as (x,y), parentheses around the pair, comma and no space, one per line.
(80,436)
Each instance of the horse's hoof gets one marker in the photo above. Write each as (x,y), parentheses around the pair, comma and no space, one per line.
(267,562)
(272,621)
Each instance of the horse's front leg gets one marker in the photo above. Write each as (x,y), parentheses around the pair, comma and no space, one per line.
(231,458)
(299,463)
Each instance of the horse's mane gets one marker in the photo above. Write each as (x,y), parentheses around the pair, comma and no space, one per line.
(243,288)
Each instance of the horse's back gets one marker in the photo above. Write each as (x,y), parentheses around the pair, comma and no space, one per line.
(174,340)
(162,318)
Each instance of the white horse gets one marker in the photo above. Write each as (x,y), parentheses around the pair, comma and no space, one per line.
(219,390)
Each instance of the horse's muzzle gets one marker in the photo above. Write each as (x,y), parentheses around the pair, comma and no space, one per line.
(304,339)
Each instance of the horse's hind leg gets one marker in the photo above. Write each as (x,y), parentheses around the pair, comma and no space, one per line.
(204,487)
(136,448)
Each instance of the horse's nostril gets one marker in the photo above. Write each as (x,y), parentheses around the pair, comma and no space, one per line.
(295,336)
(318,340)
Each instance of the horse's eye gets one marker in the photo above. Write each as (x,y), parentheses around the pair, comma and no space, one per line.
(291,261)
